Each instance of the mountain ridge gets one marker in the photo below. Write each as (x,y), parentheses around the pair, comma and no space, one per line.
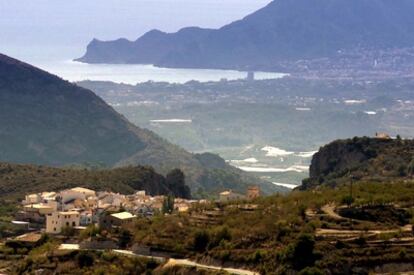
(46,120)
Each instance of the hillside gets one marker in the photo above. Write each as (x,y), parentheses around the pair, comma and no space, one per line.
(317,231)
(283,31)
(300,233)
(373,159)
(45,120)
(125,180)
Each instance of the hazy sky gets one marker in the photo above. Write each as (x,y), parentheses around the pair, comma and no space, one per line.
(37,29)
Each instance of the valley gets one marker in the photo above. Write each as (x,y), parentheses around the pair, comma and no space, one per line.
(269,128)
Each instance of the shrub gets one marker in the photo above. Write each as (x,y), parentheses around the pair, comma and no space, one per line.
(303,255)
(201,241)
(340,244)
(219,235)
(90,231)
(151,264)
(125,238)
(299,254)
(68,231)
(85,259)
(403,253)
(361,241)
(311,271)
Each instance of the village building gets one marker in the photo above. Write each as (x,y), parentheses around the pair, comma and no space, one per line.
(29,240)
(107,198)
(79,207)
(122,219)
(35,213)
(70,195)
(32,199)
(56,221)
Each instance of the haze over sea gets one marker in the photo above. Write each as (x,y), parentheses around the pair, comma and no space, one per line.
(44,34)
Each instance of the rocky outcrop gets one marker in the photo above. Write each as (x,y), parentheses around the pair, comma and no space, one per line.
(357,158)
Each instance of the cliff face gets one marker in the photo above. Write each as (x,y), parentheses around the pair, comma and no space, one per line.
(379,159)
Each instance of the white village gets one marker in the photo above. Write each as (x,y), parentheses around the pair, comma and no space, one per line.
(77,208)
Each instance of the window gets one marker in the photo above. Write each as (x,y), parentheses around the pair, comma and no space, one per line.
(54,229)
(73,224)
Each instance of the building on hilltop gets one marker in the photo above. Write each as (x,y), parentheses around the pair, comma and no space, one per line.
(382,136)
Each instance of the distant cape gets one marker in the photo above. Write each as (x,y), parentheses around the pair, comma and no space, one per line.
(283,31)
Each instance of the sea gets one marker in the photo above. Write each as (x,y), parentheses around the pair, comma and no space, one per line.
(132,74)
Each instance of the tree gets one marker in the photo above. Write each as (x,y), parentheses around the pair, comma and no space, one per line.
(348,200)
(175,180)
(168,205)
(410,168)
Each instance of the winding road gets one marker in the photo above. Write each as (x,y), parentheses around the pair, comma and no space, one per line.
(170,261)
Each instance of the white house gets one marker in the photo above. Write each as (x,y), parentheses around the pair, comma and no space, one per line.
(111,198)
(76,193)
(32,199)
(87,192)
(40,208)
(56,221)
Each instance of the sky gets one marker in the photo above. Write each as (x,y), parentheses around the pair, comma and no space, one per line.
(33,30)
